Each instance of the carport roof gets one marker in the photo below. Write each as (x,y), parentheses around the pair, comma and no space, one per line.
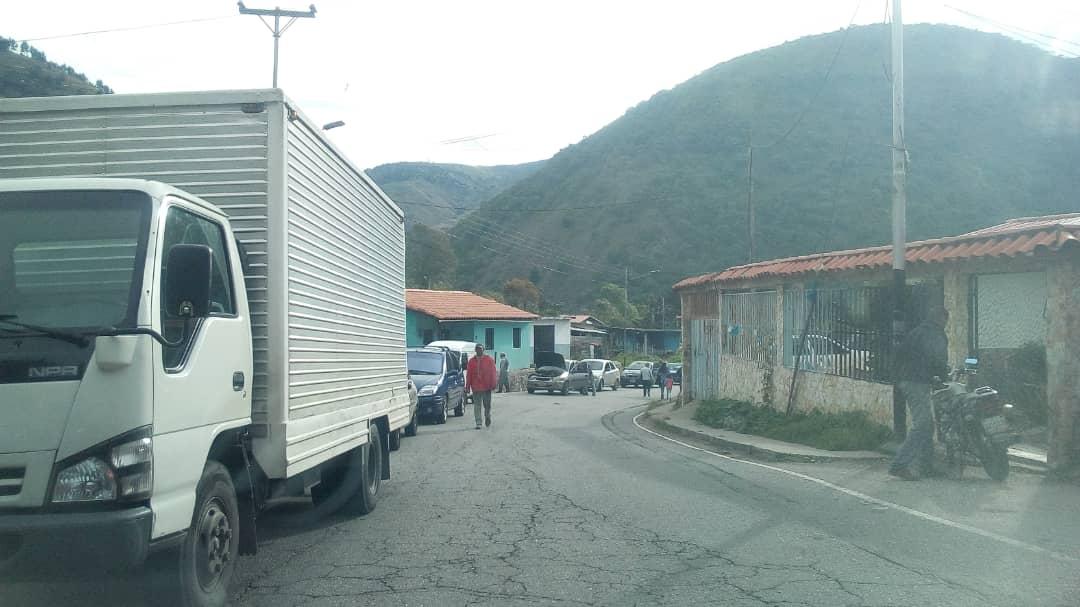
(461,305)
(1016,237)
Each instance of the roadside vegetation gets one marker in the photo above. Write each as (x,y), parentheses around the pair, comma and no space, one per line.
(847,431)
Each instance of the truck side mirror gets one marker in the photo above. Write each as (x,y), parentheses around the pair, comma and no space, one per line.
(187,281)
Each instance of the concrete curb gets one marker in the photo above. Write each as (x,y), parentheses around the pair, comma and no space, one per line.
(730,447)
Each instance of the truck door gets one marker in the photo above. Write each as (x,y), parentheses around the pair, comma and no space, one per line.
(203,385)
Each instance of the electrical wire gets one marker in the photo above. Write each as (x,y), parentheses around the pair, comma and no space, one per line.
(1020,32)
(128,29)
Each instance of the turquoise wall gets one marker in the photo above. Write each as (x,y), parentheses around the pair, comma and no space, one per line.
(415,325)
(473,330)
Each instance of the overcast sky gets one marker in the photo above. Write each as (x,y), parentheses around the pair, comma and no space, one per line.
(407,76)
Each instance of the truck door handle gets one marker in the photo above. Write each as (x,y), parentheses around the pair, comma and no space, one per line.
(238,381)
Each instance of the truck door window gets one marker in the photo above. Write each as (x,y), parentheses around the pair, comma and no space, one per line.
(184,227)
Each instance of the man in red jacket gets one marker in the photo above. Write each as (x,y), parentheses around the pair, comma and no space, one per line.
(480,380)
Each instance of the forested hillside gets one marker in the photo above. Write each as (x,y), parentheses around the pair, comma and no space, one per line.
(993,131)
(26,72)
(438,194)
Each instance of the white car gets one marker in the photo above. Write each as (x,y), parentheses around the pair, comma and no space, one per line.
(605,373)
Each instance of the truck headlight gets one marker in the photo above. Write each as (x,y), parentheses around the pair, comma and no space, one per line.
(121,471)
(91,480)
(428,390)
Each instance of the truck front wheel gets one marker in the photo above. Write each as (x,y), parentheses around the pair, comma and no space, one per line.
(208,555)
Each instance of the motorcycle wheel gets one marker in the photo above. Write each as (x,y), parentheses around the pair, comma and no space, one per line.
(995,460)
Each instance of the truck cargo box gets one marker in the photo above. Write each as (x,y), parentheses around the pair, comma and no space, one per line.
(324,245)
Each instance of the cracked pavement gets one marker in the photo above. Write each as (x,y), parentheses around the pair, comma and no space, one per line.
(565,502)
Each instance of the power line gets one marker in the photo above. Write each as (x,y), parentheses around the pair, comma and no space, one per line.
(128,29)
(1017,30)
(522,210)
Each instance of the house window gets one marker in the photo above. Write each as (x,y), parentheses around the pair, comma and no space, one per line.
(517,337)
(489,338)
(429,336)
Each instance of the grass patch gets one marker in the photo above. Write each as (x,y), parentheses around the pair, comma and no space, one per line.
(847,431)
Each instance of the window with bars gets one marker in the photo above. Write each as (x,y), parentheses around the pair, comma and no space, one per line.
(749,325)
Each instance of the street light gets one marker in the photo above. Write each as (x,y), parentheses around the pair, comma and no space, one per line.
(333,125)
(626,298)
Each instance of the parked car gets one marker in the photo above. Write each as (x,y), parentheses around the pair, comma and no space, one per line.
(676,373)
(605,373)
(462,350)
(631,376)
(414,418)
(827,354)
(554,375)
(440,382)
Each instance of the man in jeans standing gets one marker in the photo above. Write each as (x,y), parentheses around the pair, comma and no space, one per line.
(922,354)
(480,380)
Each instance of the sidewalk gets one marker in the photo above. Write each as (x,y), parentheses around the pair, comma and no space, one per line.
(681,421)
(666,417)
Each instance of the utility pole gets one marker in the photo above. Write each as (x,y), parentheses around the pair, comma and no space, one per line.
(277,30)
(750,199)
(899,204)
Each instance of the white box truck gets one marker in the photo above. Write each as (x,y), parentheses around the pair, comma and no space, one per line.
(201,311)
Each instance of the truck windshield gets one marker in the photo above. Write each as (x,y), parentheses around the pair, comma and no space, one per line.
(70,259)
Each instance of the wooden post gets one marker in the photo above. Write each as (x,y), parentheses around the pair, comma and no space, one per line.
(1063,360)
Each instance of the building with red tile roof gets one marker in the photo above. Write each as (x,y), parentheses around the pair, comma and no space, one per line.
(814,331)
(432,315)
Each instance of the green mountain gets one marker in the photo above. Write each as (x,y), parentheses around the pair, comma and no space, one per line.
(992,128)
(26,72)
(438,194)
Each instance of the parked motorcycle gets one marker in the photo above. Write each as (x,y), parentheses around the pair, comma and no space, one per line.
(973,423)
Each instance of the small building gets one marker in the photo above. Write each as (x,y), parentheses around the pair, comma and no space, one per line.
(815,331)
(433,315)
(647,342)
(587,335)
(552,334)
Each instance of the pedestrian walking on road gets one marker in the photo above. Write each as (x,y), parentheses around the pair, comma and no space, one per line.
(662,376)
(922,354)
(480,380)
(504,373)
(646,381)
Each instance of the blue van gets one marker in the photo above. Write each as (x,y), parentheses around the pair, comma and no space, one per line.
(440,382)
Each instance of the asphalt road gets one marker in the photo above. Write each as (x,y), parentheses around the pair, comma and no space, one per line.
(566,501)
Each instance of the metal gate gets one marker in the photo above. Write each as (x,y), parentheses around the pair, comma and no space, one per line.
(705,358)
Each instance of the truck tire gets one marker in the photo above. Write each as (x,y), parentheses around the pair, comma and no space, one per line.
(441,417)
(209,552)
(395,440)
(413,426)
(367,495)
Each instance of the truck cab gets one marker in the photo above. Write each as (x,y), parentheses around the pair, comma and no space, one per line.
(124,354)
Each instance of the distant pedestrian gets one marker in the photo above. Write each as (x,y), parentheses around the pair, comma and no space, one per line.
(922,354)
(662,376)
(583,368)
(504,373)
(646,381)
(480,380)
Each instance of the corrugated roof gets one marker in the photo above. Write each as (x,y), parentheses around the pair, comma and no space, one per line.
(1016,237)
(461,305)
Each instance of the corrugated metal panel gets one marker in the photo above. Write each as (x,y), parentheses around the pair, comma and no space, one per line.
(346,316)
(215,151)
(705,358)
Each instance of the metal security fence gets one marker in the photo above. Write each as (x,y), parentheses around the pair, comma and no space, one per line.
(749,325)
(847,331)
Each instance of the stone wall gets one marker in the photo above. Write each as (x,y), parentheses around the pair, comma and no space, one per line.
(834,394)
(741,379)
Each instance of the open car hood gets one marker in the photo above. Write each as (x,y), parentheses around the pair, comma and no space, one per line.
(549,359)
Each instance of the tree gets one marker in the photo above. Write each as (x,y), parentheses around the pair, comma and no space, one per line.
(522,293)
(611,307)
(430,261)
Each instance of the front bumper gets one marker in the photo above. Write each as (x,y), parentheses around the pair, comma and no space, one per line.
(545,384)
(113,540)
(431,406)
